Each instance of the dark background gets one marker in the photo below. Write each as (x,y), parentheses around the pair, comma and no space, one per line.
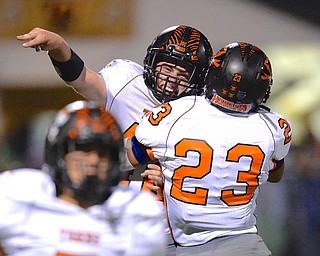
(308,10)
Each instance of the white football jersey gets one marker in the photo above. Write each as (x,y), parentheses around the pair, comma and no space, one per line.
(128,99)
(33,221)
(136,222)
(213,164)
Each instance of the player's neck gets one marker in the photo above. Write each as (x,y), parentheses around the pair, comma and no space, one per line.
(67,196)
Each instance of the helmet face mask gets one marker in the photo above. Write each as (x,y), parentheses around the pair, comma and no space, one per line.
(182,46)
(172,79)
(87,175)
(81,130)
(239,78)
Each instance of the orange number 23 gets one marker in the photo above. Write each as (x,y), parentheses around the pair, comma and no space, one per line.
(200,194)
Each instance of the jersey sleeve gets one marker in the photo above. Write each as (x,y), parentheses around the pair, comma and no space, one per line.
(19,189)
(117,74)
(155,127)
(282,134)
(26,184)
(150,134)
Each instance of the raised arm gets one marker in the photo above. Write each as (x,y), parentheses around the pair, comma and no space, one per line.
(68,64)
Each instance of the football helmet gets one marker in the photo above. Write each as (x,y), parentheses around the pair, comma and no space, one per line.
(183,46)
(239,78)
(83,126)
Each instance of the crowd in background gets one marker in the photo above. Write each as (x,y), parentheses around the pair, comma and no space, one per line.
(303,195)
(289,212)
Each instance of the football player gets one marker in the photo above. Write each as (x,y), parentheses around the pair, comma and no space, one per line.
(216,150)
(75,206)
(175,65)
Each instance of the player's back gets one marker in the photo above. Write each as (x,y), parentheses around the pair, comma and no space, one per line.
(213,163)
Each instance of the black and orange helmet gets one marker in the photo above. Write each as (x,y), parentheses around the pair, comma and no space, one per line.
(184,46)
(239,78)
(84,126)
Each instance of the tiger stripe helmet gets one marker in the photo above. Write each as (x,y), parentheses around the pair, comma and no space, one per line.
(82,125)
(239,78)
(184,46)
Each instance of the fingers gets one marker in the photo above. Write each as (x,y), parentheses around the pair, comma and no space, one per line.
(153,169)
(153,173)
(157,181)
(37,38)
(156,177)
(156,189)
(25,37)
(30,35)
(45,40)
(30,40)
